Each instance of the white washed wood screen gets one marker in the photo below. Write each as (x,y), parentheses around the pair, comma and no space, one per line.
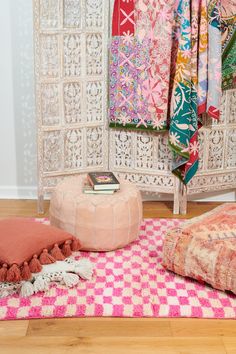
(71,64)
(71,87)
(217,170)
(145,158)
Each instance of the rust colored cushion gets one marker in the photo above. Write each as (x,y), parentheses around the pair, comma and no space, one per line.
(204,248)
(26,244)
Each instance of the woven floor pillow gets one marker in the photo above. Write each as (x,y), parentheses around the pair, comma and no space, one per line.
(26,245)
(204,248)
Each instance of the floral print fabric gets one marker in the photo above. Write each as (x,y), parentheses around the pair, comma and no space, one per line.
(196,80)
(165,71)
(128,105)
(228,27)
(140,64)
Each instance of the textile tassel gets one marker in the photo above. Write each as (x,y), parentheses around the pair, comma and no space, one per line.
(13,274)
(35,266)
(25,271)
(56,253)
(27,289)
(84,268)
(66,250)
(3,272)
(70,279)
(41,283)
(75,246)
(46,258)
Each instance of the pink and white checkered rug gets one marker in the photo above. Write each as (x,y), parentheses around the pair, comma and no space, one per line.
(130,282)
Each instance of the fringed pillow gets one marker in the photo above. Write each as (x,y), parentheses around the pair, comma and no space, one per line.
(26,245)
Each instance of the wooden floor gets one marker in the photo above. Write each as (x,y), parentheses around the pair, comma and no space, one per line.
(115,335)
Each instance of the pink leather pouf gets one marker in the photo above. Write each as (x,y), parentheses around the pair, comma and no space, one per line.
(101,222)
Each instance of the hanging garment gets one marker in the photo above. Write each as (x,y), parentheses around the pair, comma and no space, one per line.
(228,44)
(140,63)
(196,80)
(165,71)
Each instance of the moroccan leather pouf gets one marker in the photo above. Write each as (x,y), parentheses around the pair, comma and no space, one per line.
(101,222)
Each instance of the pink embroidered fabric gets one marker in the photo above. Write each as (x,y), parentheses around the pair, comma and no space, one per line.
(140,61)
(204,248)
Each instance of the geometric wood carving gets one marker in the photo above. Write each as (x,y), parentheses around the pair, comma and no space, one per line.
(71,74)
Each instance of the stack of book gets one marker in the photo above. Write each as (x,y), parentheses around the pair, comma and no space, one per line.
(101,183)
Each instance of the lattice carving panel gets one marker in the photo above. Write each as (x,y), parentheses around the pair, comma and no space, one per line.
(71,65)
(50,106)
(143,158)
(52,151)
(218,150)
(49,12)
(134,154)
(94,101)
(72,13)
(73,149)
(71,44)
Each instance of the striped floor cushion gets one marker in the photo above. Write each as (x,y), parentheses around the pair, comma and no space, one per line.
(204,248)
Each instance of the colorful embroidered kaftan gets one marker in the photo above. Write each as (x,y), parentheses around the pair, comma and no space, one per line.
(140,63)
(228,28)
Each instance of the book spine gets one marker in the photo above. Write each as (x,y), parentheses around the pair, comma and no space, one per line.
(90,181)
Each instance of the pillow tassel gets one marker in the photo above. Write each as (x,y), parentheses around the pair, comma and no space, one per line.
(56,253)
(27,289)
(75,246)
(13,273)
(3,272)
(66,250)
(25,271)
(35,266)
(46,258)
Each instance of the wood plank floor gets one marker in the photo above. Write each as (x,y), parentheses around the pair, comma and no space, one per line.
(116,335)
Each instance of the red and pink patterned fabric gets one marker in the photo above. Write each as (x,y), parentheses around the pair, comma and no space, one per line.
(123,18)
(204,248)
(140,63)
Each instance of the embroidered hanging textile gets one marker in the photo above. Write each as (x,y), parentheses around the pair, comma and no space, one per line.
(165,71)
(140,63)
(228,44)
(196,80)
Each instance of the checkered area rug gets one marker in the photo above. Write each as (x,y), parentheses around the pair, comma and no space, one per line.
(129,282)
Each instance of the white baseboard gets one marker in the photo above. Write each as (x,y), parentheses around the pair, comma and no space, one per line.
(216,197)
(204,197)
(19,192)
(15,192)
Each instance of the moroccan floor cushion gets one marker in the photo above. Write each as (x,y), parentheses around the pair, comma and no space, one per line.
(27,245)
(204,248)
(101,222)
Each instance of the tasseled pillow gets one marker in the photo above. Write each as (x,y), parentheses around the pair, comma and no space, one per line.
(26,245)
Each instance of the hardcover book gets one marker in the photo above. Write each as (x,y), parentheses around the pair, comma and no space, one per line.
(88,189)
(103,181)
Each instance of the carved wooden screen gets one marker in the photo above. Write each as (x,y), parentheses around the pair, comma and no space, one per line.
(217,170)
(71,64)
(145,158)
(71,87)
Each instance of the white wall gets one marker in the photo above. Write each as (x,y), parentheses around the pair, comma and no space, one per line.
(17,116)
(17,108)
